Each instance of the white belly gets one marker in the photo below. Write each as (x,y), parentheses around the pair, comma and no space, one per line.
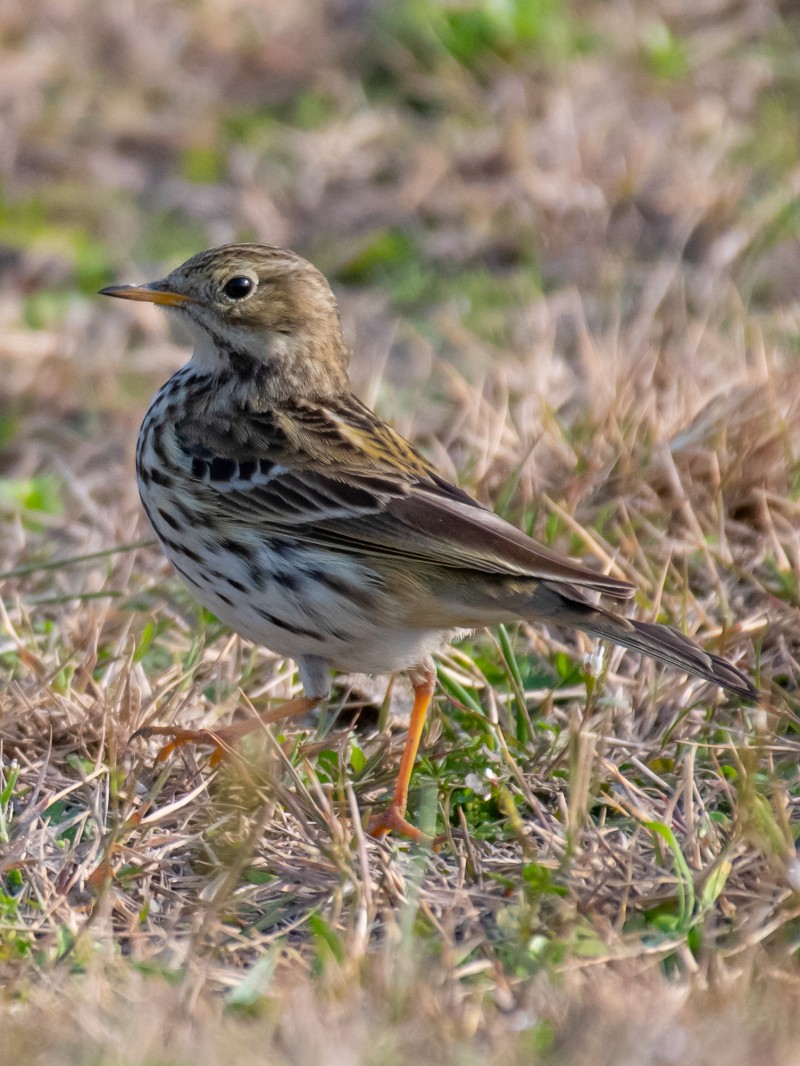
(264,592)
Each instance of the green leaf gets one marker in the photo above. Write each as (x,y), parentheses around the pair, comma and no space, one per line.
(539,879)
(202,165)
(253,987)
(665,54)
(386,251)
(358,759)
(685,881)
(254,876)
(714,884)
(328,941)
(41,493)
(458,692)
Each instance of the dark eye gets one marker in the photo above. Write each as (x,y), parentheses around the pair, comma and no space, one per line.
(239,287)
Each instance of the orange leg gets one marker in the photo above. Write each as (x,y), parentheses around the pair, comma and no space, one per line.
(223,739)
(393,818)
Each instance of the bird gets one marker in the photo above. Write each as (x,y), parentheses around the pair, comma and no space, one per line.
(308,525)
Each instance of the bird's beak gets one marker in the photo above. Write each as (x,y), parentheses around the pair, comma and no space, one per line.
(155,293)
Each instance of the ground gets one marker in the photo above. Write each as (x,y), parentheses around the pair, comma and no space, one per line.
(565,243)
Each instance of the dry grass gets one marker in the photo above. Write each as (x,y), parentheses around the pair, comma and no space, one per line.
(568,263)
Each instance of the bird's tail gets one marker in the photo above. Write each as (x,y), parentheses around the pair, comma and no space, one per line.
(660,642)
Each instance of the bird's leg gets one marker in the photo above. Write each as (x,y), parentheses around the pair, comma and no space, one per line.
(223,739)
(393,818)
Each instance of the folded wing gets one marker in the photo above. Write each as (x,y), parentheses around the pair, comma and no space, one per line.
(338,477)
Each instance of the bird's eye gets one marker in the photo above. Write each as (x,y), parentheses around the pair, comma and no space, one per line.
(239,287)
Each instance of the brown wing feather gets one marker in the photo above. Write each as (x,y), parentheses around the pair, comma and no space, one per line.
(344,479)
(482,539)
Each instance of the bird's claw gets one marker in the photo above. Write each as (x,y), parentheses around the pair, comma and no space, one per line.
(391,820)
(181,737)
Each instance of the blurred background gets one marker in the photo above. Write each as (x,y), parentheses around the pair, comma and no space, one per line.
(524,202)
(565,241)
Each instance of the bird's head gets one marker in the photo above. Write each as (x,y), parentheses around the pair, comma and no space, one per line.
(258,312)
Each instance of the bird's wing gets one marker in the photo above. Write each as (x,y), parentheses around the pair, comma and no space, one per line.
(337,476)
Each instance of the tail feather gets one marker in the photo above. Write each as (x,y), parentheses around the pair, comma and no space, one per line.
(660,642)
(669,646)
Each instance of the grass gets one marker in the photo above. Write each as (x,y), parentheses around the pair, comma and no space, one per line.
(564,239)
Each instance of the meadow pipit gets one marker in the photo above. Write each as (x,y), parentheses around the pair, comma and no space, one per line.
(310,526)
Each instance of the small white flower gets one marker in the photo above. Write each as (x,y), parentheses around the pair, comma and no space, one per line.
(480,787)
(593,662)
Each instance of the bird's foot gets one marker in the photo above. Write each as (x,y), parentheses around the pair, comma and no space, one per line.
(219,739)
(224,739)
(391,820)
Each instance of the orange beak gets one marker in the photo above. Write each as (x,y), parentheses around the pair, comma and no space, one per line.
(153,294)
